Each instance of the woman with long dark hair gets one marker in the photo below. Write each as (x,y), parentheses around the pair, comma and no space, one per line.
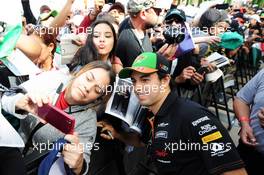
(100,45)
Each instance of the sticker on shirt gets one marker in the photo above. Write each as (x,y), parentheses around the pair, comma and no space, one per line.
(212,137)
(218,149)
(206,128)
(161,134)
(200,120)
(162,125)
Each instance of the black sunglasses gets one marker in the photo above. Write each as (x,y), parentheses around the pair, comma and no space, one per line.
(156,10)
(170,21)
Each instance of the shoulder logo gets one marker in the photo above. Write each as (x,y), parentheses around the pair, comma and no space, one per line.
(206,128)
(219,150)
(200,120)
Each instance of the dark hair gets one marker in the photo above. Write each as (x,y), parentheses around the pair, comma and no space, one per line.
(105,16)
(88,52)
(46,34)
(44,8)
(172,83)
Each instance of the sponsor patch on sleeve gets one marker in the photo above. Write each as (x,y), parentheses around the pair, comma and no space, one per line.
(212,137)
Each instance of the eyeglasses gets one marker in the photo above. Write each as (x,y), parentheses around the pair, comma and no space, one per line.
(170,21)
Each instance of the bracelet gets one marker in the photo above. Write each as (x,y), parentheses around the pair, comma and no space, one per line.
(244,119)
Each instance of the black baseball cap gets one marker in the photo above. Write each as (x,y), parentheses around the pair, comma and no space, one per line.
(176,13)
(211,17)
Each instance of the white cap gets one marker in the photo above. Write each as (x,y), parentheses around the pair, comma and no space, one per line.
(106,7)
(76,20)
(256,17)
(163,4)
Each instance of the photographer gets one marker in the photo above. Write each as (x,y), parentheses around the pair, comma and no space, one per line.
(186,73)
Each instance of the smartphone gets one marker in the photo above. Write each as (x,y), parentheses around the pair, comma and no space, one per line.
(57,118)
(203,70)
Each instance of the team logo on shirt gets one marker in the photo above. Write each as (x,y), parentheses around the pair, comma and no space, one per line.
(161,134)
(161,125)
(161,153)
(200,120)
(206,128)
(212,137)
(219,150)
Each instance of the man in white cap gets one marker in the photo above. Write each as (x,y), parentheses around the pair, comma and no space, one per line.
(133,39)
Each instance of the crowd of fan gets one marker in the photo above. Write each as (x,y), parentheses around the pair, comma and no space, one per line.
(109,37)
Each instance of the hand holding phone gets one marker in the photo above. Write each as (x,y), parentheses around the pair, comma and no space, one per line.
(203,70)
(57,118)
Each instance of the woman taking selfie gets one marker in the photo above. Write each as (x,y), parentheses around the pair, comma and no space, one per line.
(81,94)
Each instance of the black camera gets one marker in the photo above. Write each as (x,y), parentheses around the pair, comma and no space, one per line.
(173,35)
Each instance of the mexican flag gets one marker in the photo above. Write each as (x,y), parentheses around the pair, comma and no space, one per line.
(9,38)
(10,26)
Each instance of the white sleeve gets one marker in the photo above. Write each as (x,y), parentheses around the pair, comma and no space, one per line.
(9,104)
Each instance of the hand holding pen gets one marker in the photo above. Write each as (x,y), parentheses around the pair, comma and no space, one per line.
(107,132)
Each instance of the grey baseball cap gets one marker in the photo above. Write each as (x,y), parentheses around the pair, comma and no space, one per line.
(212,16)
(134,6)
